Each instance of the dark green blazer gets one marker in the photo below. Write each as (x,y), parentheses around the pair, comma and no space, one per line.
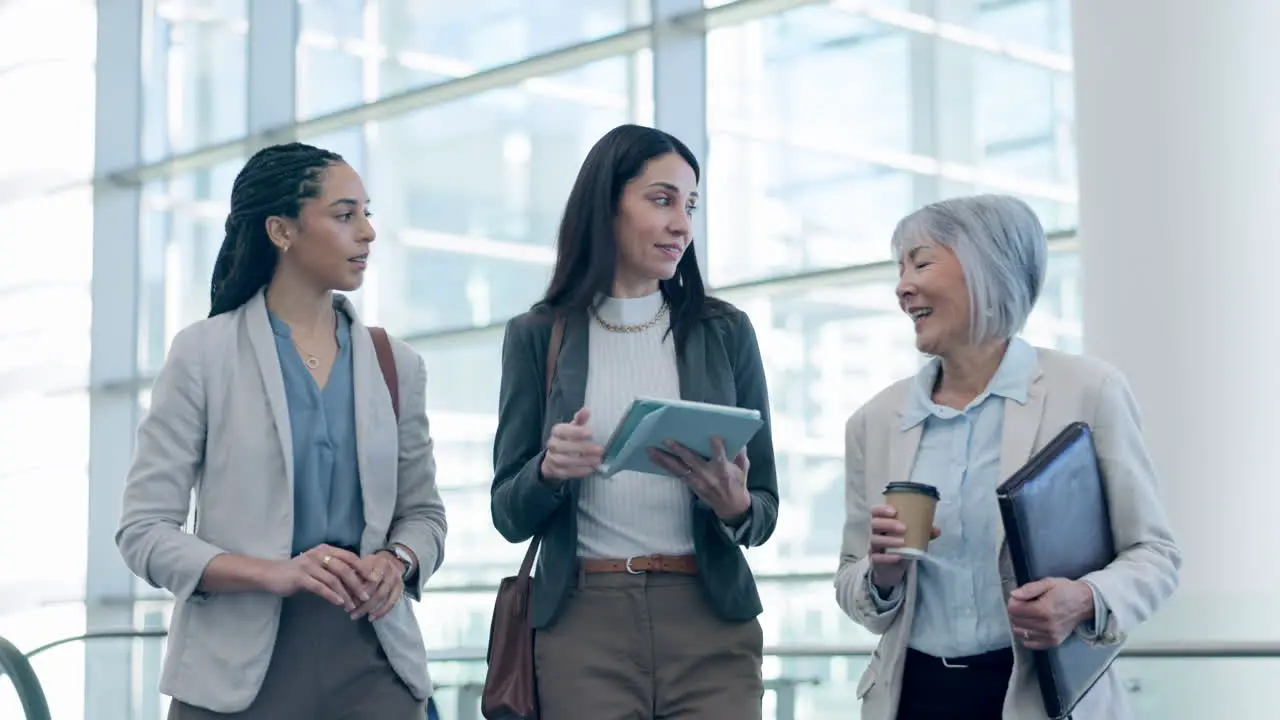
(718,363)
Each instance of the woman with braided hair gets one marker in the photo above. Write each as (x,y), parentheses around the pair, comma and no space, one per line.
(303,435)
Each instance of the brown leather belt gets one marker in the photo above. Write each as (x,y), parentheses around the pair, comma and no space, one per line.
(679,564)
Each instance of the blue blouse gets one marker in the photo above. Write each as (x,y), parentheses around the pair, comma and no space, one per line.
(327,505)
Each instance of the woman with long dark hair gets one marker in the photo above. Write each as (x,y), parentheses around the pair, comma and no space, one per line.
(303,436)
(643,603)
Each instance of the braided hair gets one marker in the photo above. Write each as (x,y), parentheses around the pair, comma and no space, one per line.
(275,182)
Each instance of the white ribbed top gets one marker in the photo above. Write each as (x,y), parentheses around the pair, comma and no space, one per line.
(631,513)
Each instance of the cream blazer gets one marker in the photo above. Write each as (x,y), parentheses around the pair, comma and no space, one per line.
(219,426)
(1064,389)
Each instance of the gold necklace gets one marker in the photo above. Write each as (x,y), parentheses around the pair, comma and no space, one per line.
(311,360)
(629,328)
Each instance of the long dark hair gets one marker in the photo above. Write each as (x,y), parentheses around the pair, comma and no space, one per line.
(586,249)
(275,182)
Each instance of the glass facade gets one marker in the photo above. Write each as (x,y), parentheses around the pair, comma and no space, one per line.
(46,238)
(822,125)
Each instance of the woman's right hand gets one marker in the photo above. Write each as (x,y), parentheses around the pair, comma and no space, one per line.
(887,568)
(323,570)
(570,451)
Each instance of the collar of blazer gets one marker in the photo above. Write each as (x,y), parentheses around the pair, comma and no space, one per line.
(1017,440)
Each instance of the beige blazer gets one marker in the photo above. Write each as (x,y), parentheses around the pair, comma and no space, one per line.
(1064,389)
(219,426)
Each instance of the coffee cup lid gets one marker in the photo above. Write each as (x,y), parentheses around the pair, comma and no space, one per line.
(912,487)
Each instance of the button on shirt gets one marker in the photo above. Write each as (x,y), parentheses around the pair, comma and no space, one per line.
(327,505)
(960,604)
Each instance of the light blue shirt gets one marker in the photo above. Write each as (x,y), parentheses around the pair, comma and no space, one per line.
(960,605)
(327,505)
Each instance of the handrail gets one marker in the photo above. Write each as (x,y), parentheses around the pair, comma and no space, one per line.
(1165,650)
(101,635)
(16,665)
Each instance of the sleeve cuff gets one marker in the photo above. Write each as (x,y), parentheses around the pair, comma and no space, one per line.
(737,534)
(1094,630)
(541,491)
(881,602)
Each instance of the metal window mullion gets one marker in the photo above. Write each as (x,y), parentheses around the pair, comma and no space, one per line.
(271,69)
(942,88)
(114,351)
(680,94)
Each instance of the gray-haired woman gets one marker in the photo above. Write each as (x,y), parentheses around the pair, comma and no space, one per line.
(956,630)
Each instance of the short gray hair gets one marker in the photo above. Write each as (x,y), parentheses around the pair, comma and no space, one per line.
(1002,248)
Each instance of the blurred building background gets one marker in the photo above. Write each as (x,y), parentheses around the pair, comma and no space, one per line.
(123,123)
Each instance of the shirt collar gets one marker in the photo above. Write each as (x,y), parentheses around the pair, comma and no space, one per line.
(1012,381)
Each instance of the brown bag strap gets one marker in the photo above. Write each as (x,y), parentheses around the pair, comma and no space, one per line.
(553,354)
(387,362)
(553,357)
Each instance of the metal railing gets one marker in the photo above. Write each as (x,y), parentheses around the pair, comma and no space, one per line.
(785,690)
(17,666)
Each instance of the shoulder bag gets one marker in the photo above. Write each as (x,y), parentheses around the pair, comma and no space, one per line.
(510,688)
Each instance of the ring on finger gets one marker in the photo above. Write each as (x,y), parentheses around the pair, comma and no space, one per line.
(325,560)
(1026,634)
(687,471)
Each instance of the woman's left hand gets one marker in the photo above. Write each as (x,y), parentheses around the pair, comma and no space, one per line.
(720,482)
(383,571)
(1043,613)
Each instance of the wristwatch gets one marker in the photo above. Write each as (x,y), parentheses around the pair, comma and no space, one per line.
(405,557)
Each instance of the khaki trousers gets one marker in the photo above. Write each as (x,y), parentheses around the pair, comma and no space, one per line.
(324,666)
(647,647)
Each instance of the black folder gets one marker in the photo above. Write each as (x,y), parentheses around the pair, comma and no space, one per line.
(1056,521)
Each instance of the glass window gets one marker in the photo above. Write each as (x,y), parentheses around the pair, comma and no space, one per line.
(194,75)
(44,413)
(48,136)
(351,53)
(183,220)
(795,174)
(43,475)
(1034,25)
(332,56)
(803,178)
(468,195)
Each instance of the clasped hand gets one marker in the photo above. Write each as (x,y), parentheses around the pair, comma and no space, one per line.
(363,586)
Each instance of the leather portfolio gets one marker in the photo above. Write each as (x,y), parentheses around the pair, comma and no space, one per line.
(1056,522)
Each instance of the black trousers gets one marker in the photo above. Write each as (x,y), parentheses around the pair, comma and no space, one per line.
(968,688)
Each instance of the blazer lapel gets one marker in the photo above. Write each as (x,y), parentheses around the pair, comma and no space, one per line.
(263,341)
(569,386)
(691,364)
(371,400)
(1018,437)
